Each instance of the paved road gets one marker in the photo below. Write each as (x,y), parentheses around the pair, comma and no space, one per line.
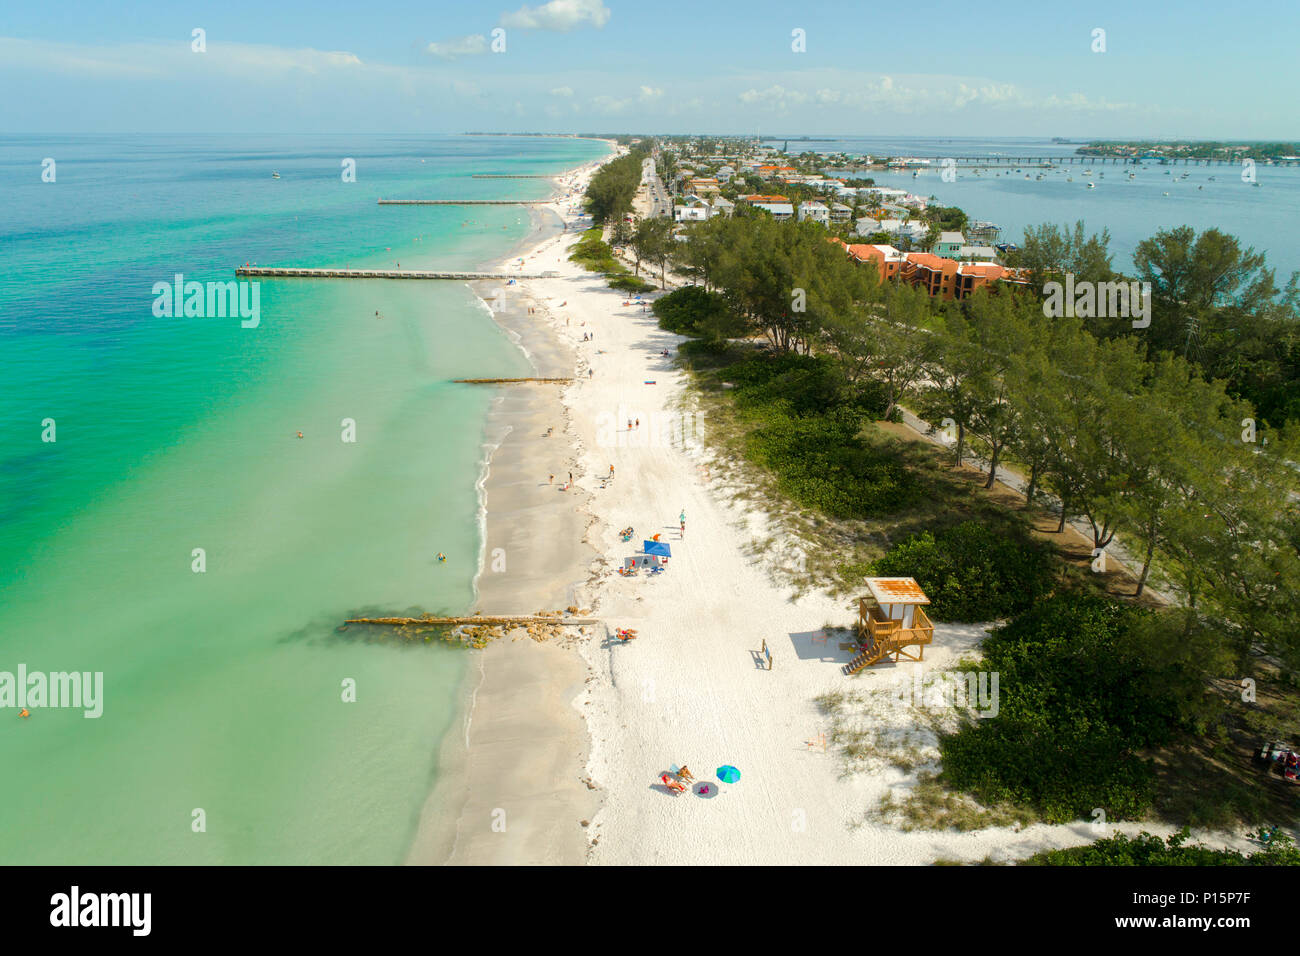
(660,205)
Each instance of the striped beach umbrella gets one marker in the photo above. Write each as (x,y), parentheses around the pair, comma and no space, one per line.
(728,774)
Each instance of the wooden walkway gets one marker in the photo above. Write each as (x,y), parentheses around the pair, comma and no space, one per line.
(512,620)
(465,202)
(273,272)
(510,381)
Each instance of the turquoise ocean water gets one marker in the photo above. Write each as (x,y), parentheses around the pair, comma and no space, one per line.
(223,689)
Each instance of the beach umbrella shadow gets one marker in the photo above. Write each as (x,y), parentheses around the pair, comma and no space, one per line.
(707,789)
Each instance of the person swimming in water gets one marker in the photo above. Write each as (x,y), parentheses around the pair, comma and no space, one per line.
(300,434)
(442,558)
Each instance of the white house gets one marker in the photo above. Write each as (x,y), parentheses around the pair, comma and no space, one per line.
(778,206)
(722,206)
(779,210)
(977,254)
(695,210)
(868,226)
(882,193)
(949,244)
(815,211)
(841,212)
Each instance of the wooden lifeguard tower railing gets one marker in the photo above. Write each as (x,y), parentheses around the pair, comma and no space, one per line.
(890,620)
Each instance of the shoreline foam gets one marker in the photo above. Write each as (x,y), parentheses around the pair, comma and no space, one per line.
(517,760)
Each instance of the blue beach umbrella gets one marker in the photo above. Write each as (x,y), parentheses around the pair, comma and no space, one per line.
(728,774)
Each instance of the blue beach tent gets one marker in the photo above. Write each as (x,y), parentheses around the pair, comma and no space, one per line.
(659,548)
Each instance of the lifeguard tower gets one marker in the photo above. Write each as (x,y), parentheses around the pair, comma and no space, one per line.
(890,619)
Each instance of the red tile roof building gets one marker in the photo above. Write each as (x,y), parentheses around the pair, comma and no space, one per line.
(939,276)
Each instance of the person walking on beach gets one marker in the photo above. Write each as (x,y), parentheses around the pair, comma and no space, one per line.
(550,480)
(611,471)
(682,518)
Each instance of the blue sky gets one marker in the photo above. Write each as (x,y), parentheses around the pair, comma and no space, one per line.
(1190,69)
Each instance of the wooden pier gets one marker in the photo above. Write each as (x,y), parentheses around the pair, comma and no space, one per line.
(288,272)
(510,381)
(509,620)
(466,202)
(901,164)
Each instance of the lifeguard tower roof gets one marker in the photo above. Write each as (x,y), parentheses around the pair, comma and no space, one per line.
(896,591)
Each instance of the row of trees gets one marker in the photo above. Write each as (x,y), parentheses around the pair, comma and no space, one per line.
(1135,439)
(1212,302)
(611,190)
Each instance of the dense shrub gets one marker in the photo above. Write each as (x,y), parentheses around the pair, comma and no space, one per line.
(594,254)
(972,572)
(692,310)
(806,426)
(1147,850)
(1078,699)
(626,283)
(803,384)
(822,462)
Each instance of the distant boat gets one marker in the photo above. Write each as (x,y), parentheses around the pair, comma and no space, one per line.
(1164,194)
(275,175)
(1092,185)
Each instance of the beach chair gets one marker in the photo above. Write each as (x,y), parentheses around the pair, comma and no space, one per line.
(674,787)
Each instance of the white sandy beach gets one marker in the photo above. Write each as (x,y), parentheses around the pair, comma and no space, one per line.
(690,689)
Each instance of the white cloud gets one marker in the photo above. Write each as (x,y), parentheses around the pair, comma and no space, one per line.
(155,58)
(558,15)
(471,45)
(562,91)
(651,93)
(918,94)
(610,105)
(249,59)
(775,98)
